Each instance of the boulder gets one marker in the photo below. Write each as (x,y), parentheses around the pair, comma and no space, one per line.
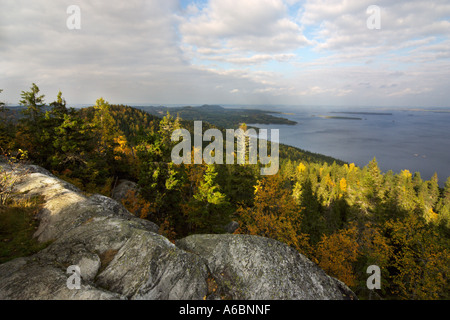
(231,227)
(65,207)
(245,267)
(123,257)
(33,279)
(122,188)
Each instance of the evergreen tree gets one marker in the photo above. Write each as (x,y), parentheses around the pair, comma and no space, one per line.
(433,191)
(420,264)
(313,220)
(443,207)
(208,209)
(33,139)
(73,144)
(58,106)
(7,130)
(371,188)
(417,181)
(405,195)
(34,104)
(238,182)
(105,128)
(108,135)
(160,180)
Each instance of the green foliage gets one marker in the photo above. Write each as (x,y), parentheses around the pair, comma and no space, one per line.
(237,182)
(443,207)
(420,260)
(33,129)
(208,209)
(34,104)
(6,128)
(11,172)
(160,180)
(17,225)
(314,222)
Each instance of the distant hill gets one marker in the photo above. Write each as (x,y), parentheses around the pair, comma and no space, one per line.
(15,113)
(219,116)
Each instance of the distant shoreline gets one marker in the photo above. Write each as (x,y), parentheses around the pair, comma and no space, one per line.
(364,113)
(340,118)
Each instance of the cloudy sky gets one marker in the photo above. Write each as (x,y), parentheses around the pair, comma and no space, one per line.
(296,52)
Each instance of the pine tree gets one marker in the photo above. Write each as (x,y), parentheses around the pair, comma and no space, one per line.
(313,220)
(34,104)
(443,207)
(421,259)
(161,181)
(7,130)
(404,196)
(208,209)
(417,181)
(31,129)
(108,136)
(105,127)
(73,143)
(371,188)
(433,191)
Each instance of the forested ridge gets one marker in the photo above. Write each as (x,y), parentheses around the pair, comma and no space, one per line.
(222,117)
(343,217)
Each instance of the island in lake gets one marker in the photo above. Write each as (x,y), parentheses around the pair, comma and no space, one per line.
(364,113)
(340,118)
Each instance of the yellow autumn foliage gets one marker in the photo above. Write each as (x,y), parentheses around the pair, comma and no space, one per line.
(337,253)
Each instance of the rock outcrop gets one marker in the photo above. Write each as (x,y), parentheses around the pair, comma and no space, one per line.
(122,257)
(251,267)
(122,189)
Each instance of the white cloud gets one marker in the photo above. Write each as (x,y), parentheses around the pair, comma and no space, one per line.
(409,91)
(251,60)
(117,47)
(248,30)
(271,51)
(342,24)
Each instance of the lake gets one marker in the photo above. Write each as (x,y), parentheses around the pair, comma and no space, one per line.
(413,139)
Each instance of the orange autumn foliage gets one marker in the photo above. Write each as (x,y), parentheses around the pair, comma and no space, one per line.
(337,253)
(421,259)
(137,205)
(166,230)
(375,246)
(275,215)
(144,209)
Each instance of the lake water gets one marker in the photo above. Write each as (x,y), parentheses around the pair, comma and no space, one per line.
(413,139)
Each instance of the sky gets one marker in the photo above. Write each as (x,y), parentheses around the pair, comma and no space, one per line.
(240,52)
